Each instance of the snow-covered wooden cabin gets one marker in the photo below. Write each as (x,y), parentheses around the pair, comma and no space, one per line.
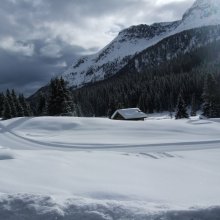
(132,114)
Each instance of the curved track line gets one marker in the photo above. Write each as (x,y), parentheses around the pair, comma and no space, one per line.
(160,147)
(14,138)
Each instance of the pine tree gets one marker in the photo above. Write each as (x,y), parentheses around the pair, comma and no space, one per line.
(181,111)
(111,108)
(60,101)
(193,106)
(20,109)
(52,102)
(157,103)
(76,111)
(66,99)
(11,102)
(211,103)
(171,106)
(18,105)
(7,109)
(26,107)
(42,105)
(2,98)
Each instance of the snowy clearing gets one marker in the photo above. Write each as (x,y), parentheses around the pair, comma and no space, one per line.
(155,134)
(96,168)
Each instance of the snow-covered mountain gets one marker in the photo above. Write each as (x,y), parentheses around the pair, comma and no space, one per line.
(131,41)
(116,54)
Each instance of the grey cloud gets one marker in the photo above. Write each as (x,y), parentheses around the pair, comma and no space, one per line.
(177,9)
(27,74)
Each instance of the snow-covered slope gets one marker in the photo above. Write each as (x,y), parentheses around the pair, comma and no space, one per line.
(116,54)
(95,168)
(135,39)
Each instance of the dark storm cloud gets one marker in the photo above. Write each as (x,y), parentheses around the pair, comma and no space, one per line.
(27,73)
(40,38)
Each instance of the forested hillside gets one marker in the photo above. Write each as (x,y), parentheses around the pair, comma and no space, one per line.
(154,78)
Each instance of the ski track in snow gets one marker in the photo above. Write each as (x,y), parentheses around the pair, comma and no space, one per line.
(13,140)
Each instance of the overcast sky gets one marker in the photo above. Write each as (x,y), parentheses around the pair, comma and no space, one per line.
(40,38)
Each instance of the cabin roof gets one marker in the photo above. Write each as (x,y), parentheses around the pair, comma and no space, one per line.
(130,113)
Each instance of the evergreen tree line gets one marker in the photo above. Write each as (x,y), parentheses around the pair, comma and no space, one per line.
(58,101)
(211,101)
(61,101)
(13,105)
(211,97)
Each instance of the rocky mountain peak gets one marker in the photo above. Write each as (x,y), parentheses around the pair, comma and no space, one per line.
(145,31)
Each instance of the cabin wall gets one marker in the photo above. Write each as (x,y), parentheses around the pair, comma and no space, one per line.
(136,119)
(118,117)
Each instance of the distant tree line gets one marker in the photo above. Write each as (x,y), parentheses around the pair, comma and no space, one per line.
(211,101)
(60,101)
(13,105)
(198,92)
(205,96)
(211,97)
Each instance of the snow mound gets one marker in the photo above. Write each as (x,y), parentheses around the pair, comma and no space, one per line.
(41,123)
(6,154)
(49,124)
(32,207)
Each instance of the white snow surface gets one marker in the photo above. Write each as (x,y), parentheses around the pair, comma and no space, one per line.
(202,13)
(116,54)
(158,165)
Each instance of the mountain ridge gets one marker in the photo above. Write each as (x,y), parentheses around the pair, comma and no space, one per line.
(134,40)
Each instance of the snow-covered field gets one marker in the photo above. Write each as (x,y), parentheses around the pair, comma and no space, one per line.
(96,168)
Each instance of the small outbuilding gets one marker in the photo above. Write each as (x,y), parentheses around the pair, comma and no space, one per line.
(130,114)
